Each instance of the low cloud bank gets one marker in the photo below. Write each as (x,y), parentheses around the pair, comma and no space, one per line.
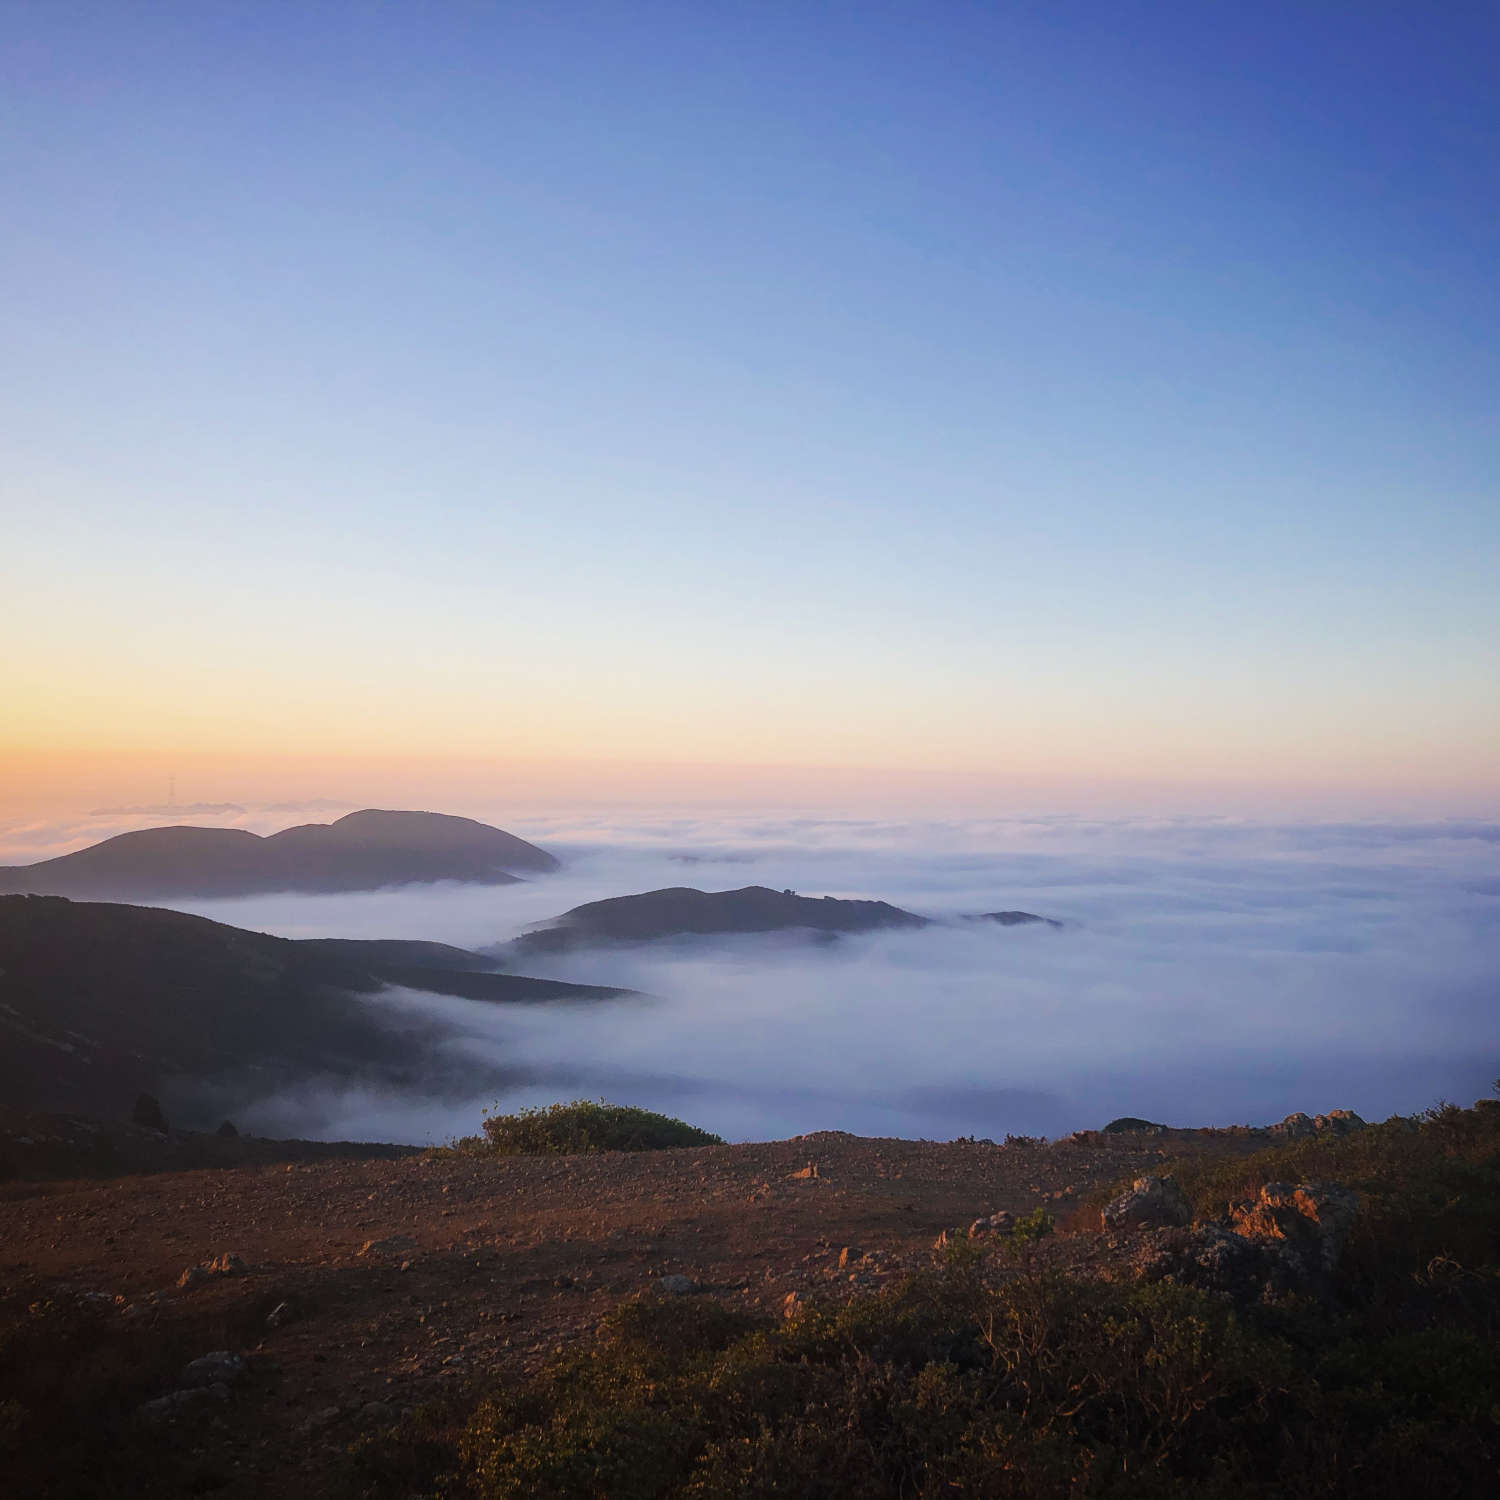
(1210,971)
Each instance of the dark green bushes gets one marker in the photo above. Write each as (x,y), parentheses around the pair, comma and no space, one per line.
(1035,1387)
(73,1372)
(583,1125)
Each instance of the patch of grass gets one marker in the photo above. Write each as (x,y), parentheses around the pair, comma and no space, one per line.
(583,1126)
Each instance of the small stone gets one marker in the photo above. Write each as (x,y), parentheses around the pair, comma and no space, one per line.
(675,1285)
(845,1256)
(227,1264)
(793,1305)
(280,1315)
(193,1276)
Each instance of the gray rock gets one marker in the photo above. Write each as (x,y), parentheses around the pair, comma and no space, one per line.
(1309,1221)
(175,1403)
(1294,1127)
(793,1305)
(996,1223)
(1209,1257)
(676,1286)
(221,1367)
(392,1244)
(193,1276)
(1338,1122)
(1151,1203)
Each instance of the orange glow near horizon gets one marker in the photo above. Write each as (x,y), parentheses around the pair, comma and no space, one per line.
(38,782)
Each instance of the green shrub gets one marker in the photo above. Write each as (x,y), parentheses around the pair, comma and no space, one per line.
(1036,1225)
(583,1126)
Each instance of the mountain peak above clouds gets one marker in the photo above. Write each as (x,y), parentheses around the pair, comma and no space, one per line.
(361,851)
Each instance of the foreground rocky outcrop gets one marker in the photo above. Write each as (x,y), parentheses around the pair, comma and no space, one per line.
(1288,1237)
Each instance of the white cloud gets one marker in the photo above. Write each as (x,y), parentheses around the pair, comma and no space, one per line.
(1210,971)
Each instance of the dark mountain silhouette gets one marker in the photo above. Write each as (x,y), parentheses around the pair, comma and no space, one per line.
(360,852)
(681,910)
(100,1003)
(1015,918)
(379,953)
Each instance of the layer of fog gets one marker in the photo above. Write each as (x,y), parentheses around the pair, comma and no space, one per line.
(1210,971)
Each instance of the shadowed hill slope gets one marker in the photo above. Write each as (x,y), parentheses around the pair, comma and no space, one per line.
(101,1002)
(363,851)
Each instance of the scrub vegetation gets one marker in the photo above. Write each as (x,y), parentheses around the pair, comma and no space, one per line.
(581,1126)
(995,1374)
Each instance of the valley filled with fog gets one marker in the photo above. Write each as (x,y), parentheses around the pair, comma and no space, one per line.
(1208,972)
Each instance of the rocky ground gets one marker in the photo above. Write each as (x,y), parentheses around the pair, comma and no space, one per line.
(352,1289)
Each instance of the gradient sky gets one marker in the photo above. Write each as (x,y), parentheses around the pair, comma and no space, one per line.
(1097,391)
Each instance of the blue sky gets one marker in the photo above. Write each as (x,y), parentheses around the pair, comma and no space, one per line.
(1108,388)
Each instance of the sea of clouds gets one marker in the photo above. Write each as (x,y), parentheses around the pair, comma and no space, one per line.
(1210,971)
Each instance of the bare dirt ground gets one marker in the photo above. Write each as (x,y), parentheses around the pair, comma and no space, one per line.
(406,1278)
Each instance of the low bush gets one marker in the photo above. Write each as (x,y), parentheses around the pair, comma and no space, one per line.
(583,1126)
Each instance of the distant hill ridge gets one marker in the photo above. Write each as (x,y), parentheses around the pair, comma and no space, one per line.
(677,911)
(362,851)
(685,911)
